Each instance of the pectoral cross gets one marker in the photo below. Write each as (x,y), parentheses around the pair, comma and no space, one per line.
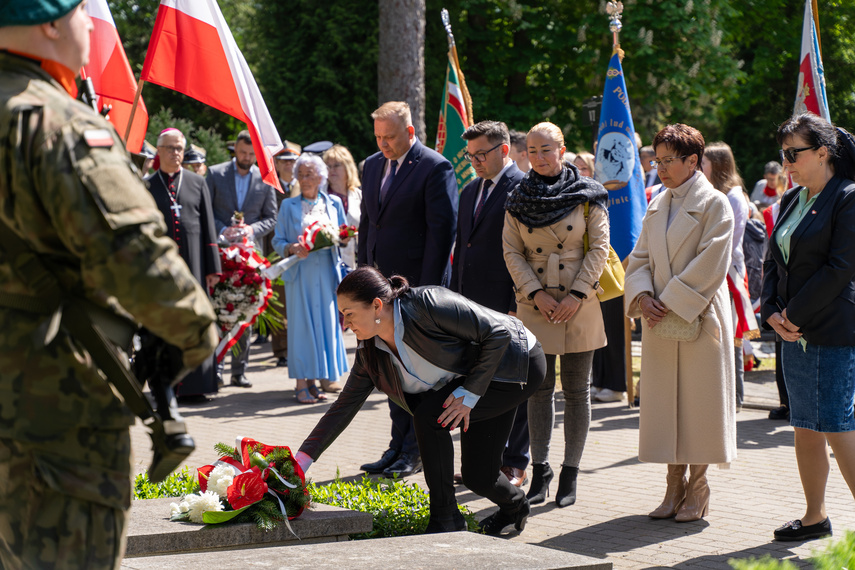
(176,210)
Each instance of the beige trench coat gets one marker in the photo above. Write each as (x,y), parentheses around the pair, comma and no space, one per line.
(688,388)
(552,258)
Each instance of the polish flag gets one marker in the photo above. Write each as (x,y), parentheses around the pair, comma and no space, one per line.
(810,95)
(192,51)
(112,77)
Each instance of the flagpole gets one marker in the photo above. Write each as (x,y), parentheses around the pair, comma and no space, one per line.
(134,110)
(815,10)
(452,51)
(615,12)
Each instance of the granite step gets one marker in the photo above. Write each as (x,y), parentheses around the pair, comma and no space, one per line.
(150,532)
(458,550)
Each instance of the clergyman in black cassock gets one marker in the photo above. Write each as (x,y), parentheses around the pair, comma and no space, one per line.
(183,199)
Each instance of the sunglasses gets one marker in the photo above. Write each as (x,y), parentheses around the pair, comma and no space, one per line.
(791,154)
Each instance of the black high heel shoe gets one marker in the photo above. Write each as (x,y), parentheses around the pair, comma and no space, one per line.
(566,494)
(541,477)
(496,523)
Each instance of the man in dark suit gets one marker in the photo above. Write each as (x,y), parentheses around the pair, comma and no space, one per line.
(407,224)
(236,186)
(479,271)
(183,199)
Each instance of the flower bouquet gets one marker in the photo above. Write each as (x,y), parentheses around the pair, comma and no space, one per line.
(251,482)
(317,235)
(242,294)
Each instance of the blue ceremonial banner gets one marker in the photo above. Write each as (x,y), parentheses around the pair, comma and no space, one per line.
(618,165)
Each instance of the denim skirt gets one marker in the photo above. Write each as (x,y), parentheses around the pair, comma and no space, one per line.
(821,385)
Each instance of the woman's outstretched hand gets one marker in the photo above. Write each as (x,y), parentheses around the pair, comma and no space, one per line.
(455,412)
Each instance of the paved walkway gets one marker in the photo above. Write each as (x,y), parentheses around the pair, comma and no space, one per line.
(760,491)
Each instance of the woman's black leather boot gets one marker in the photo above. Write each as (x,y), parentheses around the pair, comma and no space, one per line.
(566,494)
(541,476)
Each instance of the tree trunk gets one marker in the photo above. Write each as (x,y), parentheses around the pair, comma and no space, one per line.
(401,59)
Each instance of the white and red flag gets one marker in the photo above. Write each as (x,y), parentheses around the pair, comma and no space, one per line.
(112,77)
(192,51)
(810,95)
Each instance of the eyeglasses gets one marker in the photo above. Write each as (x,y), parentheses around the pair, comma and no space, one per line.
(480,156)
(791,154)
(666,162)
(172,148)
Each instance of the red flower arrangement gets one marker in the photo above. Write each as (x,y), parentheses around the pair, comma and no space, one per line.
(241,295)
(250,482)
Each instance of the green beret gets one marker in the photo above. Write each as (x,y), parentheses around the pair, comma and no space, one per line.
(34,12)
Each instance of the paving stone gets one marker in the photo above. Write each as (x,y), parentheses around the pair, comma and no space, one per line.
(759,492)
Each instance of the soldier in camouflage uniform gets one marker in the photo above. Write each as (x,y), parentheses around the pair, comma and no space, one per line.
(67,187)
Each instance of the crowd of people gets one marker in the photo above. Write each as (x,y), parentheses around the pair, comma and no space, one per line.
(527,239)
(465,306)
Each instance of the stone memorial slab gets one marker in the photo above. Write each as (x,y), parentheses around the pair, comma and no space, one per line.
(458,550)
(150,532)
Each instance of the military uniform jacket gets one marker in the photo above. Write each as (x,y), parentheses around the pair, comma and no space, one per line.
(69,190)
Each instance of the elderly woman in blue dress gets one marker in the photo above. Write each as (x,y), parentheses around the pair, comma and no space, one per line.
(315,343)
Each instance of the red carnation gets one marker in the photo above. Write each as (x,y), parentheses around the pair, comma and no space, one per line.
(257,279)
(252,298)
(248,279)
(230,307)
(246,489)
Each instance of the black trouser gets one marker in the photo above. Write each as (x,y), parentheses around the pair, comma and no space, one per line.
(482,445)
(609,368)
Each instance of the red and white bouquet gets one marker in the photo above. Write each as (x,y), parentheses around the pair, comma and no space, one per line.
(317,235)
(251,482)
(241,295)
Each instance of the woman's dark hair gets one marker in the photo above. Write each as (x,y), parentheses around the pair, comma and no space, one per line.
(685,140)
(817,132)
(366,283)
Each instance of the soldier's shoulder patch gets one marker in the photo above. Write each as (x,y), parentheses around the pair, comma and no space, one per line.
(98,138)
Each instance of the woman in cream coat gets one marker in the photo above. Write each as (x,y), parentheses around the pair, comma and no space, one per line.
(680,264)
(556,285)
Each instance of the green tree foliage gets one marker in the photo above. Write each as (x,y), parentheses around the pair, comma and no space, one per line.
(319,70)
(726,67)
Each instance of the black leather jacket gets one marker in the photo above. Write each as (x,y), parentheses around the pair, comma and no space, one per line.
(444,328)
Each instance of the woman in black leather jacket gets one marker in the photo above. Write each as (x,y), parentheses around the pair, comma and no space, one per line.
(451,363)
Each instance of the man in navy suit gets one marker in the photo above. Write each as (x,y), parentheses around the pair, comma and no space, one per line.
(409,215)
(236,186)
(479,271)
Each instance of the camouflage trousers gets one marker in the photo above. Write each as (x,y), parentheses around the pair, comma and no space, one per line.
(64,503)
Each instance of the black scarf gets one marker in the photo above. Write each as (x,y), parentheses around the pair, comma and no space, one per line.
(538,204)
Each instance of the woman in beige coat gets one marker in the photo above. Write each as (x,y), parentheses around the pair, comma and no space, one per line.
(680,265)
(556,284)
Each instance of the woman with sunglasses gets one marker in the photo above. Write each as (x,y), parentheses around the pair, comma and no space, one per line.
(678,268)
(809,300)
(556,284)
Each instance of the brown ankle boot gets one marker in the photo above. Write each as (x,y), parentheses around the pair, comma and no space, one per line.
(674,494)
(697,503)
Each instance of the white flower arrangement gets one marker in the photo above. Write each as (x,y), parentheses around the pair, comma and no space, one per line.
(220,479)
(202,503)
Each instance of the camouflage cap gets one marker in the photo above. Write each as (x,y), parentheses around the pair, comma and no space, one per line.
(34,12)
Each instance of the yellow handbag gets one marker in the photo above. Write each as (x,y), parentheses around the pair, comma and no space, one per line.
(611,281)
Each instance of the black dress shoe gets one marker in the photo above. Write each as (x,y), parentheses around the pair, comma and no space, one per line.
(449,523)
(240,381)
(388,458)
(260,339)
(496,523)
(781,413)
(404,466)
(281,361)
(794,531)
